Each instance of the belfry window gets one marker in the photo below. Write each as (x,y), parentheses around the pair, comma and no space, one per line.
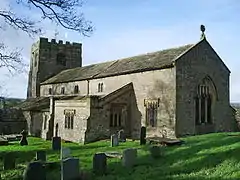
(203,104)
(100,87)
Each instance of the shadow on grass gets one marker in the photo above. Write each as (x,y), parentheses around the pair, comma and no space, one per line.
(215,158)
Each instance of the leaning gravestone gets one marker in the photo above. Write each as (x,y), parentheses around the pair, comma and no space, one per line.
(34,171)
(114,140)
(99,163)
(65,153)
(143,136)
(129,157)
(121,136)
(9,161)
(56,143)
(155,151)
(41,156)
(23,141)
(70,169)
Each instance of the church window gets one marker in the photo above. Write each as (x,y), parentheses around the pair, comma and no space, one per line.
(151,107)
(100,87)
(116,116)
(35,59)
(69,119)
(61,59)
(62,90)
(76,89)
(203,102)
(50,91)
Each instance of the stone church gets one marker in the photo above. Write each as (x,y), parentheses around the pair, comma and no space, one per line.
(173,92)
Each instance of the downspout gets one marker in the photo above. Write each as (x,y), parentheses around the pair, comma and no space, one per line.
(87,87)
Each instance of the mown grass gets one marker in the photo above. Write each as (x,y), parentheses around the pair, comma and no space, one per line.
(213,156)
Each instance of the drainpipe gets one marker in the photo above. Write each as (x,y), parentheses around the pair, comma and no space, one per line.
(87,87)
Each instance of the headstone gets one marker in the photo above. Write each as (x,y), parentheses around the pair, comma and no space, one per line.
(41,156)
(23,141)
(70,169)
(56,143)
(9,161)
(143,136)
(65,153)
(114,140)
(121,136)
(34,171)
(99,163)
(155,151)
(129,157)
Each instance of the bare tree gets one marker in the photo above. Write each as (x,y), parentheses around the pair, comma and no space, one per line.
(66,13)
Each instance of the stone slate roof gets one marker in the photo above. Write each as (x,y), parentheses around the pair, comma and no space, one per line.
(151,61)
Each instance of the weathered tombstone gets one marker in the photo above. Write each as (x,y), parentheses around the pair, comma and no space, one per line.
(114,140)
(56,143)
(41,156)
(129,157)
(155,151)
(34,171)
(143,136)
(23,141)
(70,169)
(99,163)
(121,136)
(9,161)
(65,153)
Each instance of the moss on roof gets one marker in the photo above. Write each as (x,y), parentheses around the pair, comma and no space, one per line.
(150,61)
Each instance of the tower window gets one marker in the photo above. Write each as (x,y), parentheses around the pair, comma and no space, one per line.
(76,89)
(62,90)
(61,59)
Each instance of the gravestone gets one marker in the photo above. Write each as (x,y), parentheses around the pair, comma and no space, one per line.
(129,157)
(99,163)
(56,143)
(121,136)
(9,161)
(34,171)
(70,169)
(23,141)
(114,140)
(155,151)
(65,153)
(143,136)
(41,156)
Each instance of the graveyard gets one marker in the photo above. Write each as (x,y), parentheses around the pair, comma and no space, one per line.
(210,156)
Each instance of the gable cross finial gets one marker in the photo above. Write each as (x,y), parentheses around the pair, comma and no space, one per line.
(202,28)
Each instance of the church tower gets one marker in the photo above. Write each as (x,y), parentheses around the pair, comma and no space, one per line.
(50,58)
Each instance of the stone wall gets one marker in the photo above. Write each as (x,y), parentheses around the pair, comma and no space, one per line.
(43,64)
(146,85)
(82,114)
(11,121)
(34,121)
(191,68)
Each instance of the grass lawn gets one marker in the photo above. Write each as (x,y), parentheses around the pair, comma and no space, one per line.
(213,156)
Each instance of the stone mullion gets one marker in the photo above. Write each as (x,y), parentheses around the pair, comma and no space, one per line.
(199,109)
(206,109)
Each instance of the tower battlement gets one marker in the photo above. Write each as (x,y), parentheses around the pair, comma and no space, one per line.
(46,41)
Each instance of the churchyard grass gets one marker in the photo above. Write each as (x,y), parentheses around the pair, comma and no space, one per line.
(212,156)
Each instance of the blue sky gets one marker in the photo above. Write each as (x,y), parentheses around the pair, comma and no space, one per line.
(127,28)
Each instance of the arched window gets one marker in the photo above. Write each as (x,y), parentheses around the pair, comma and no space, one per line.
(76,89)
(100,87)
(206,95)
